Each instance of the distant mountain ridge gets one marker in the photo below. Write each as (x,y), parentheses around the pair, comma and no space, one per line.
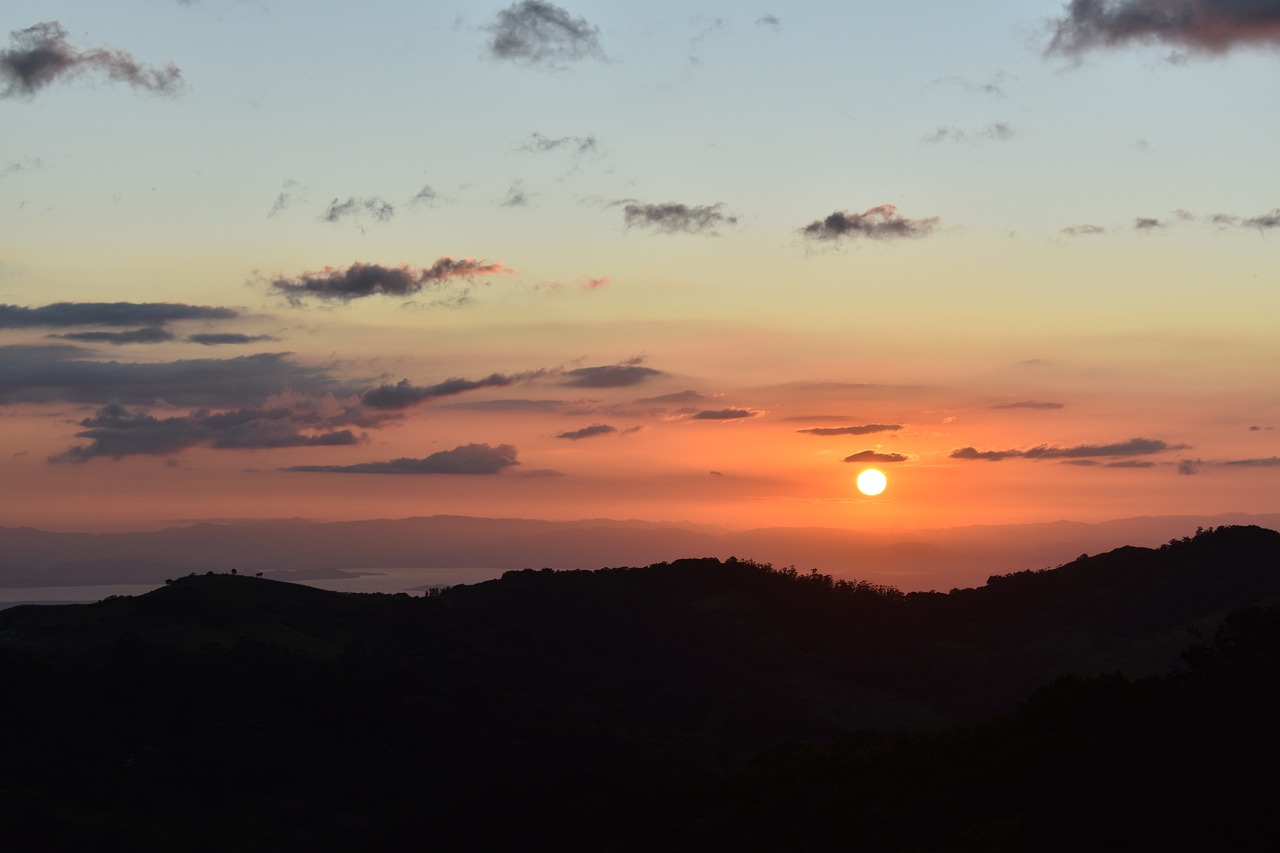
(922,560)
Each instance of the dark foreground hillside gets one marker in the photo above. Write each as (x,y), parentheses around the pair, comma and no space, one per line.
(694,705)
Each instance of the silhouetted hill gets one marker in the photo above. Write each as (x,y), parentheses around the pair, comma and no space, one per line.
(630,708)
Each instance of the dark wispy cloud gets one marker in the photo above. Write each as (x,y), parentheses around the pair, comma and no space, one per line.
(376,207)
(215,339)
(1212,26)
(67,314)
(876,456)
(610,375)
(536,33)
(404,394)
(427,195)
(575,144)
(116,432)
(879,223)
(1082,230)
(20,167)
(361,280)
(864,429)
(768,20)
(1267,462)
(41,54)
(513,405)
(675,218)
(1132,447)
(1264,222)
(286,197)
(997,130)
(1029,404)
(145,335)
(466,459)
(63,372)
(994,86)
(1189,467)
(516,196)
(1147,223)
(730,414)
(587,432)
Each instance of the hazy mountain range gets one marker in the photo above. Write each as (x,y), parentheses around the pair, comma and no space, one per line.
(938,559)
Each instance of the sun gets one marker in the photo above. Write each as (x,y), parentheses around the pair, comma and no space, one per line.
(872,482)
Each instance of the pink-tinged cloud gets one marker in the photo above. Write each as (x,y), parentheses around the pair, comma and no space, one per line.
(1211,26)
(587,432)
(596,283)
(362,280)
(881,222)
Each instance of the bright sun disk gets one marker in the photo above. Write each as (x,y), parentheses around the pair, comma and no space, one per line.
(871,482)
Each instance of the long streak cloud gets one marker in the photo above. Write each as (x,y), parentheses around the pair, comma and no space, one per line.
(41,54)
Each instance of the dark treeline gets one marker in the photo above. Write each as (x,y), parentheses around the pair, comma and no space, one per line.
(699,704)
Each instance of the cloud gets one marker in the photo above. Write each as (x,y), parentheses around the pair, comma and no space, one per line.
(768,20)
(865,429)
(1028,404)
(402,395)
(992,87)
(427,195)
(1132,447)
(1268,462)
(38,374)
(610,375)
(360,280)
(577,144)
(116,432)
(512,405)
(1081,230)
(724,414)
(1146,223)
(875,456)
(1131,463)
(145,335)
(466,459)
(879,223)
(1211,26)
(40,54)
(986,455)
(285,199)
(66,314)
(1188,467)
(675,218)
(997,130)
(516,196)
(596,283)
(587,432)
(376,207)
(1264,222)
(213,339)
(533,32)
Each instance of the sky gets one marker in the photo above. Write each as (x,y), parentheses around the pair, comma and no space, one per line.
(668,261)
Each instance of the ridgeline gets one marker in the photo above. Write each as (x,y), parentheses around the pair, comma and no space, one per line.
(699,704)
